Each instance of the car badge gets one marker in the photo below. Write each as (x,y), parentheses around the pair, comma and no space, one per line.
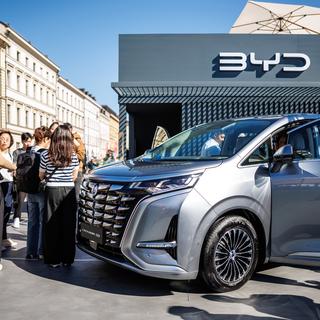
(94,189)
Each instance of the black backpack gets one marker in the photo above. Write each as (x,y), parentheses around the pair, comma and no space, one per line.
(27,173)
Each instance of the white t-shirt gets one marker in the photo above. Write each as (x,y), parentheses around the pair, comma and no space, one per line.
(7,176)
(210,148)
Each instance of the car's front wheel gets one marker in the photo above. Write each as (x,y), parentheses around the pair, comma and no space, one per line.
(230,254)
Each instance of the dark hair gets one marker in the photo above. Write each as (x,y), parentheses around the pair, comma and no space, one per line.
(53,124)
(69,125)
(9,133)
(26,136)
(41,133)
(61,146)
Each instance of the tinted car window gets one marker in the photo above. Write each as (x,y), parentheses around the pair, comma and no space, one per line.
(261,154)
(305,143)
(215,140)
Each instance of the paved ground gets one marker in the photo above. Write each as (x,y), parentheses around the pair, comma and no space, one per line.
(92,289)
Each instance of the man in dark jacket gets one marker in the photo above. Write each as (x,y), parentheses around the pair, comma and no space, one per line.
(26,139)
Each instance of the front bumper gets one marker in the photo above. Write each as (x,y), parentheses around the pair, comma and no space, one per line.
(166,272)
(149,222)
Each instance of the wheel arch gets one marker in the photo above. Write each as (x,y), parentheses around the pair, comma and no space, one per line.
(257,224)
(255,221)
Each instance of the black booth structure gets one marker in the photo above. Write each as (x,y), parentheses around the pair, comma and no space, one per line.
(178,81)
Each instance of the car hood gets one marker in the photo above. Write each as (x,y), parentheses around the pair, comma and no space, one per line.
(132,170)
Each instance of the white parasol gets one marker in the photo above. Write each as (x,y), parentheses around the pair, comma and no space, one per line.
(276,18)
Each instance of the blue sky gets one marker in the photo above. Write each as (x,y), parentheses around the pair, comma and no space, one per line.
(81,36)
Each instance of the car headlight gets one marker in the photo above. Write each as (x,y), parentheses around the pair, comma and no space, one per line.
(164,185)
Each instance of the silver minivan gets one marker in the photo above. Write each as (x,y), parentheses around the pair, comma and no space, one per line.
(213,201)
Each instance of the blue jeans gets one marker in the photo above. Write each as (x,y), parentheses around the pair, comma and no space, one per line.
(36,213)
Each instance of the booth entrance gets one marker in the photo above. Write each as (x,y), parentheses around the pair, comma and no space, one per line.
(143,122)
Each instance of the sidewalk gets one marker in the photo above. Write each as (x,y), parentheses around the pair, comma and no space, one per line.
(92,289)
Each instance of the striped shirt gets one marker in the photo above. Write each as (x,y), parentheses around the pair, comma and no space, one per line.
(62,177)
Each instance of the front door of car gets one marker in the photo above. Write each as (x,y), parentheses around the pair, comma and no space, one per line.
(295,193)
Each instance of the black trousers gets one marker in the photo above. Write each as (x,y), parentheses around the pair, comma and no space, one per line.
(19,200)
(7,198)
(1,219)
(60,225)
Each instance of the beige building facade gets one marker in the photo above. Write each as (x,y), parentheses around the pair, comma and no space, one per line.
(113,132)
(30,86)
(3,45)
(33,93)
(70,105)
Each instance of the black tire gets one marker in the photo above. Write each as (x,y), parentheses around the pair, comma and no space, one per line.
(230,254)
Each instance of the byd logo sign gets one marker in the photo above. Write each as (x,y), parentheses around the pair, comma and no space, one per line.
(238,61)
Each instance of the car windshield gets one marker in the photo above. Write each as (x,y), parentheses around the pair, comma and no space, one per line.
(215,140)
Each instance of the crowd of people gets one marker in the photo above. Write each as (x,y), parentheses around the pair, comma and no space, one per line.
(56,158)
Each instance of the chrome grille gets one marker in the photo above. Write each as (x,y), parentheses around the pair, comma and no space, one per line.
(107,206)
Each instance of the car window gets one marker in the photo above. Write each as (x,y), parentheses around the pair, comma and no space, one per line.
(305,143)
(215,140)
(260,155)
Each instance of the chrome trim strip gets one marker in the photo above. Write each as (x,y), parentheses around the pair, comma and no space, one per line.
(165,272)
(157,245)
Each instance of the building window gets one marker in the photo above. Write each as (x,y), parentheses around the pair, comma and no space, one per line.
(9,78)
(41,70)
(47,75)
(47,124)
(27,118)
(47,97)
(34,120)
(18,82)
(41,118)
(67,97)
(18,116)
(27,87)
(41,94)
(18,55)
(27,62)
(34,67)
(52,101)
(8,50)
(9,113)
(34,91)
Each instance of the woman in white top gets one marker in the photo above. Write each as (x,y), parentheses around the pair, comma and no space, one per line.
(60,166)
(6,181)
(4,163)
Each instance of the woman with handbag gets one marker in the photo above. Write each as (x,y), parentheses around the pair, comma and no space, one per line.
(36,200)
(60,165)
(6,183)
(4,164)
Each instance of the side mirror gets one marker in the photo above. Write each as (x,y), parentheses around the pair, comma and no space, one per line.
(284,154)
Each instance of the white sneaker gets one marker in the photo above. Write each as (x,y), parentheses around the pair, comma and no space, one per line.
(9,243)
(1,266)
(16,223)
